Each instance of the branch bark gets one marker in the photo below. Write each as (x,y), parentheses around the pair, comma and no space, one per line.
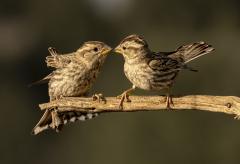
(224,104)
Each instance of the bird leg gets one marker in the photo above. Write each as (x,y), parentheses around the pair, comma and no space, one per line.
(99,97)
(168,100)
(57,122)
(125,96)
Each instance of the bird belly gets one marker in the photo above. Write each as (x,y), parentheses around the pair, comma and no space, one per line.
(71,84)
(138,76)
(145,78)
(162,80)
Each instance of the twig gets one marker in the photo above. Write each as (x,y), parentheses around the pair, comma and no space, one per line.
(224,104)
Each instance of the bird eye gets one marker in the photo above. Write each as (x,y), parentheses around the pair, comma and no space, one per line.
(124,47)
(95,49)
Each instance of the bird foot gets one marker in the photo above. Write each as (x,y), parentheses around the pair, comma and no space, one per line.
(57,122)
(99,97)
(237,117)
(59,97)
(122,97)
(169,102)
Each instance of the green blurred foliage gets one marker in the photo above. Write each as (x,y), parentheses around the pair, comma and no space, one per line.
(28,28)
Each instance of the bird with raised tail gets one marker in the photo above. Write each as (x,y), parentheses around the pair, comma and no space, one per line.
(156,71)
(74,75)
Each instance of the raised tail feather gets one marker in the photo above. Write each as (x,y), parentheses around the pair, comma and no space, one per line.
(192,51)
(62,119)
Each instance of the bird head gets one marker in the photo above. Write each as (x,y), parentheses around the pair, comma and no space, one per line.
(132,46)
(93,51)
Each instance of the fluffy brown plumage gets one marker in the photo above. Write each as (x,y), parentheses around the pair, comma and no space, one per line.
(74,75)
(149,70)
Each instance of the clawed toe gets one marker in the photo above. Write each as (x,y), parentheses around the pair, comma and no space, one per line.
(237,117)
(123,96)
(169,102)
(119,96)
(121,101)
(99,97)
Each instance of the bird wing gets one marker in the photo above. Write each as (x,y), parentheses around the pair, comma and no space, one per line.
(59,61)
(177,56)
(165,53)
(164,63)
(43,80)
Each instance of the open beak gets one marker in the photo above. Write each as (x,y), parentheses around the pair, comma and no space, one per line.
(118,49)
(106,50)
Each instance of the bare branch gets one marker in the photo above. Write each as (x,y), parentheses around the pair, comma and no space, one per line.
(224,104)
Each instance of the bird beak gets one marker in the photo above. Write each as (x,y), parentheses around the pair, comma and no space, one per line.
(106,50)
(118,49)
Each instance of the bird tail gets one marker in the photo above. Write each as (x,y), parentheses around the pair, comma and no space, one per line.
(51,120)
(73,116)
(43,124)
(192,51)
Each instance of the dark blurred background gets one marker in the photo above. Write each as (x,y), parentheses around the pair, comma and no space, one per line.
(29,27)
